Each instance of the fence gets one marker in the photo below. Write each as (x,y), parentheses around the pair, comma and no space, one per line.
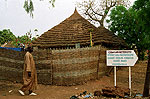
(12,62)
(57,67)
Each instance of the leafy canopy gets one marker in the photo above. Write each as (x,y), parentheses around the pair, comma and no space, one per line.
(143,9)
(128,25)
(6,35)
(124,24)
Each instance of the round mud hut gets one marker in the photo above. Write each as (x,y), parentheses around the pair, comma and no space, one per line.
(64,53)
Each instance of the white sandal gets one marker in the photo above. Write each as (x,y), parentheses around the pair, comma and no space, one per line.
(21,92)
(33,94)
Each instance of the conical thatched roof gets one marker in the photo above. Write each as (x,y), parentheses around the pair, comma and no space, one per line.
(73,30)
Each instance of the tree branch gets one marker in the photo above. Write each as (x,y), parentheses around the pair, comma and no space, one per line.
(96,12)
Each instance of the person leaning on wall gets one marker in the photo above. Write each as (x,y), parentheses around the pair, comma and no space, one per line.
(29,74)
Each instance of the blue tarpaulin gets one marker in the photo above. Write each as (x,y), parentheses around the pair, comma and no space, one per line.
(15,49)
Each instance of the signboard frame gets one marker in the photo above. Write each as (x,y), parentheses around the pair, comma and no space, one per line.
(121,58)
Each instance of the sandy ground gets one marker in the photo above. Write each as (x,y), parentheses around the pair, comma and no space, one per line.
(65,92)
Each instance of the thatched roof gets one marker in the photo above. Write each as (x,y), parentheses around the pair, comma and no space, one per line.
(73,30)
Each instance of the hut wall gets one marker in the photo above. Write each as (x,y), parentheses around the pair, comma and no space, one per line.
(57,67)
(12,62)
(76,66)
(11,65)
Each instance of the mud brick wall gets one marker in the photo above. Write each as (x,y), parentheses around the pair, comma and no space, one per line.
(57,67)
(43,66)
(102,63)
(11,65)
(12,62)
(76,66)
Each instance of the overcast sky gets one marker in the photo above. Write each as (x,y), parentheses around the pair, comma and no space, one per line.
(14,17)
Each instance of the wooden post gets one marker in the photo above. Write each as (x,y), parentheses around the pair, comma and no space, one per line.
(130,79)
(99,54)
(115,76)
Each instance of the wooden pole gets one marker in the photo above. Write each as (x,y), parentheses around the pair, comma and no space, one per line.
(99,51)
(130,79)
(115,76)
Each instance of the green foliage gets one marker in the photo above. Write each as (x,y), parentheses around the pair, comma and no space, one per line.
(29,6)
(52,2)
(106,11)
(143,10)
(33,38)
(6,35)
(127,25)
(140,4)
(25,39)
(123,24)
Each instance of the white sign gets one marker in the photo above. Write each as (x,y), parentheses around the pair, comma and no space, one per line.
(121,58)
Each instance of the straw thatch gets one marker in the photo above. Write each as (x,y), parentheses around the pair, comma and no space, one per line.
(74,30)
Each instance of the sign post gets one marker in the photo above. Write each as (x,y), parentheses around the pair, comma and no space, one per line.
(121,58)
(130,79)
(115,76)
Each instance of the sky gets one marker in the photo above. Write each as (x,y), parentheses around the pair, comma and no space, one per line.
(14,17)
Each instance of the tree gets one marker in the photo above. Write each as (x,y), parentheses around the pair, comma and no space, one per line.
(6,35)
(143,9)
(25,39)
(127,25)
(97,11)
(29,6)
(133,26)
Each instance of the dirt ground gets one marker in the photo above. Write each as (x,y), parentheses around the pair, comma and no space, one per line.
(65,92)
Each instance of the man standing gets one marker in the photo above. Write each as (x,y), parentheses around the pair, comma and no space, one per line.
(29,74)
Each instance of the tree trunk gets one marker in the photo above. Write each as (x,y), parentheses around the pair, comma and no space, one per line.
(147,79)
(101,23)
(139,54)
